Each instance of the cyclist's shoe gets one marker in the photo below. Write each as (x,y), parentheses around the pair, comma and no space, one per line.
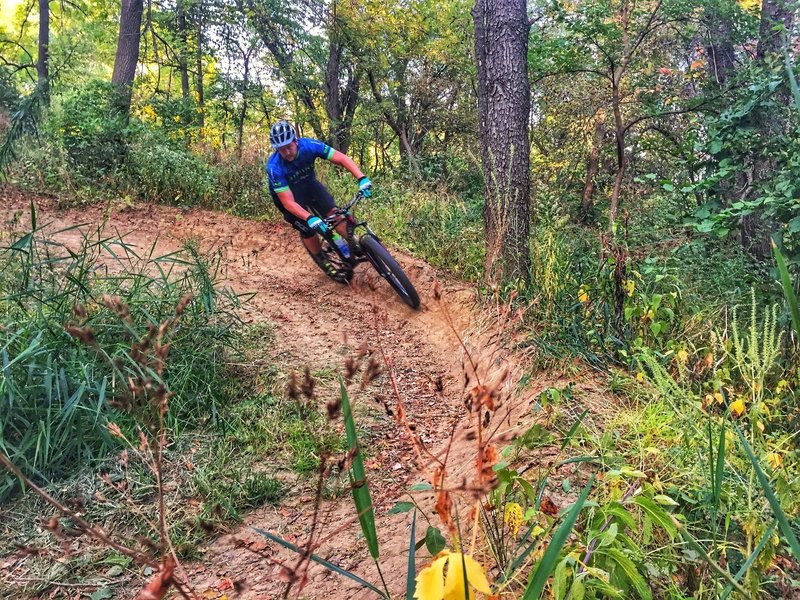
(331,271)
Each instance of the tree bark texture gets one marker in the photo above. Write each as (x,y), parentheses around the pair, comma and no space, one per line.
(127,57)
(340,103)
(43,60)
(504,102)
(183,66)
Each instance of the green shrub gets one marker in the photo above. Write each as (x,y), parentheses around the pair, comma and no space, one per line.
(93,131)
(175,117)
(163,171)
(240,186)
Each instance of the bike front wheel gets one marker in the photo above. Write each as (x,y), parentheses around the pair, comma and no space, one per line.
(388,268)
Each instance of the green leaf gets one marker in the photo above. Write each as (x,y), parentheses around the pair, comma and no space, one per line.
(401,507)
(792,79)
(786,528)
(657,514)
(574,428)
(434,540)
(550,556)
(631,572)
(664,500)
(102,594)
(421,487)
(560,580)
(358,477)
(23,243)
(788,288)
(328,565)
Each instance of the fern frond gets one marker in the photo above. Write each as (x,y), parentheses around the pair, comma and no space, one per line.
(23,121)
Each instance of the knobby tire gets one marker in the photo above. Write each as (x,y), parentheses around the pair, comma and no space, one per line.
(388,268)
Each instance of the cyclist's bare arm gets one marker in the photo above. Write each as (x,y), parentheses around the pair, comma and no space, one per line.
(348,163)
(287,199)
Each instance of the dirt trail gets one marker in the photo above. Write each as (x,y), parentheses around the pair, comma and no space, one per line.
(319,322)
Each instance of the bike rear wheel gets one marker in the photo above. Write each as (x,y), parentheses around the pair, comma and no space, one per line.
(388,268)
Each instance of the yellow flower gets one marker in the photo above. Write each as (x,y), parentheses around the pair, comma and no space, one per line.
(737,408)
(461,569)
(682,356)
(583,295)
(513,517)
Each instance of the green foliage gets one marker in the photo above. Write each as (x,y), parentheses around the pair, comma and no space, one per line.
(161,170)
(58,395)
(754,158)
(93,130)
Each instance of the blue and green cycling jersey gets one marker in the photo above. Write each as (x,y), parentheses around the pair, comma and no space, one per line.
(297,175)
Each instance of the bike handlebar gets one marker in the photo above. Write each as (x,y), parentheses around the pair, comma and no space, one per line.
(346,209)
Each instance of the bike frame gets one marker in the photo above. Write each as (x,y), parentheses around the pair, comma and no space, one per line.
(344,212)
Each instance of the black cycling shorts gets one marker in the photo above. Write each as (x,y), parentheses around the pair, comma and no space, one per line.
(315,198)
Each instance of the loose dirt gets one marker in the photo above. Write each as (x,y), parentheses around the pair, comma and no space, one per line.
(319,322)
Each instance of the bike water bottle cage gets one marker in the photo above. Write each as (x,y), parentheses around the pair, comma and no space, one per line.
(281,134)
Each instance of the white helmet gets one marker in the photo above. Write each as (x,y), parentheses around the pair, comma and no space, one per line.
(281,134)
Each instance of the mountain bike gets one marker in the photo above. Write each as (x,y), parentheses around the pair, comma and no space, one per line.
(364,246)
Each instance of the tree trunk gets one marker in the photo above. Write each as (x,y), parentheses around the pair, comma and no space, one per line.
(619,137)
(127,57)
(43,60)
(592,168)
(201,119)
(183,64)
(243,111)
(340,105)
(504,101)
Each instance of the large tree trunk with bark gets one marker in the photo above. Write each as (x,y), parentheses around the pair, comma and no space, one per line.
(183,64)
(43,60)
(127,57)
(504,101)
(340,102)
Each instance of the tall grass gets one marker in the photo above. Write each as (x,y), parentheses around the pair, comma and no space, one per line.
(57,395)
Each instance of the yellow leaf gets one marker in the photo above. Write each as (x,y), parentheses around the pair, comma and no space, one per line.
(737,408)
(775,460)
(629,286)
(430,581)
(682,356)
(696,64)
(476,575)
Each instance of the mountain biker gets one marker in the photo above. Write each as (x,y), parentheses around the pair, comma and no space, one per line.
(296,191)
